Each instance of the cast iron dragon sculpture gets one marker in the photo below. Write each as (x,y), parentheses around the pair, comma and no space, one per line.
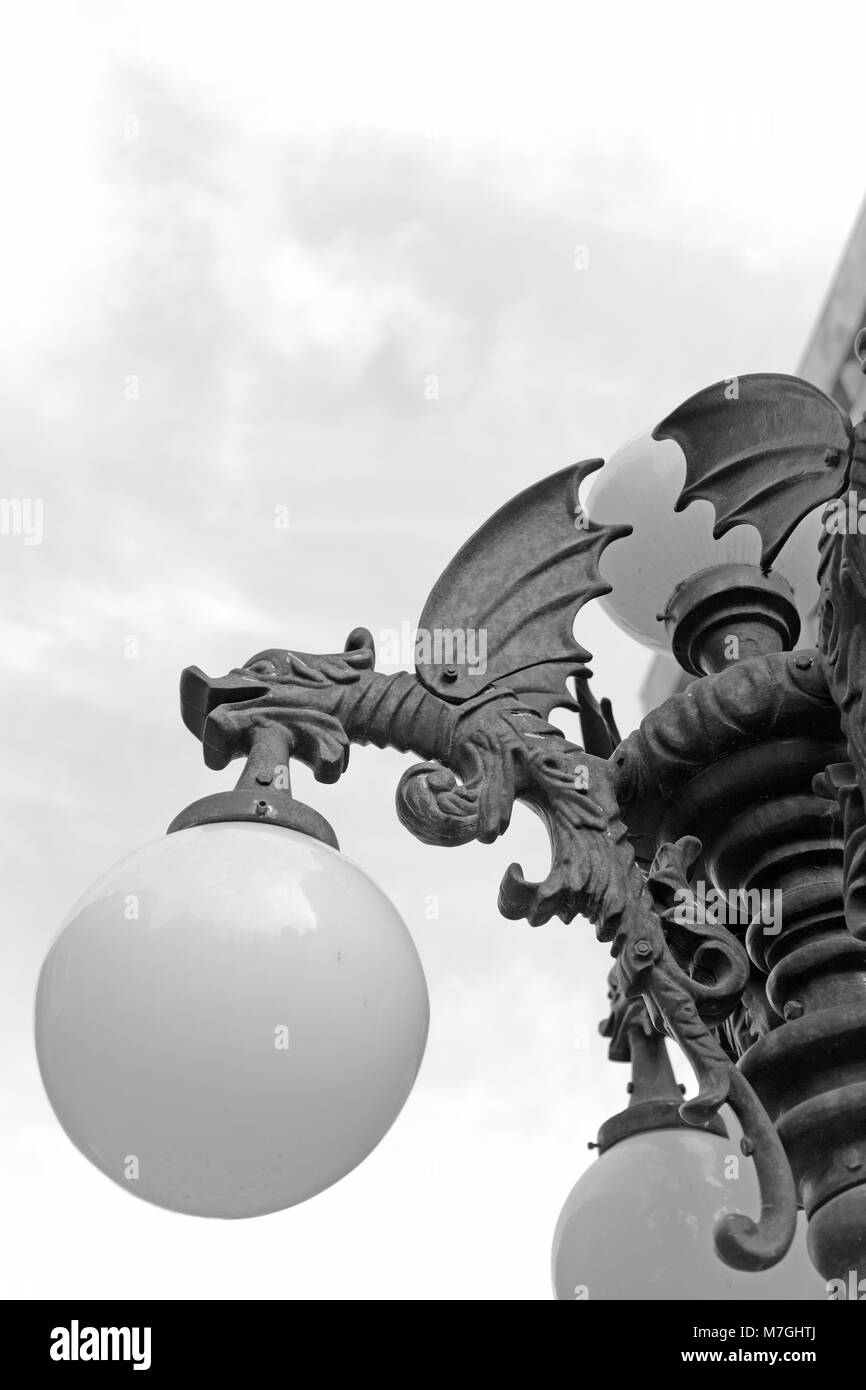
(487,740)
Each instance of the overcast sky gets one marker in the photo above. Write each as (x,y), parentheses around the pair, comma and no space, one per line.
(278,221)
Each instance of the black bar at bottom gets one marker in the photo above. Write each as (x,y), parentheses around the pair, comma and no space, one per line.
(304,1340)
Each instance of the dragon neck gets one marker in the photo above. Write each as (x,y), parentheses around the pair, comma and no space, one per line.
(397,712)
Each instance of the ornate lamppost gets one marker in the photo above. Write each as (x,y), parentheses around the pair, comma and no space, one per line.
(750,780)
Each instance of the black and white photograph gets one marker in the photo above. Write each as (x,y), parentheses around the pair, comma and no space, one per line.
(433,552)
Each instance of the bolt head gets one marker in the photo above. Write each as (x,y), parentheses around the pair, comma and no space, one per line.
(450,674)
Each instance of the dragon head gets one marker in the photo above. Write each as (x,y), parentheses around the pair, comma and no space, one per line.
(272,685)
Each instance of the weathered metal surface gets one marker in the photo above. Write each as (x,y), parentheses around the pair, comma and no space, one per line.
(487,742)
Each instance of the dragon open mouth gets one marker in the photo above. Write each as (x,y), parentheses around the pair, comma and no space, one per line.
(200,694)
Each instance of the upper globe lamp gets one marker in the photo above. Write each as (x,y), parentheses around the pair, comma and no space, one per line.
(674,584)
(232,1017)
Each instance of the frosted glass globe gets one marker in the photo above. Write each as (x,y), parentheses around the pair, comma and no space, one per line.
(639,1225)
(230,1019)
(639,485)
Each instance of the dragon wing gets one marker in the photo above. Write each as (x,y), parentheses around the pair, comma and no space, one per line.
(765,449)
(503,610)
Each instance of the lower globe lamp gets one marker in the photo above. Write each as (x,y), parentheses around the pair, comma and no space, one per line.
(639,1225)
(640,1222)
(230,1019)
